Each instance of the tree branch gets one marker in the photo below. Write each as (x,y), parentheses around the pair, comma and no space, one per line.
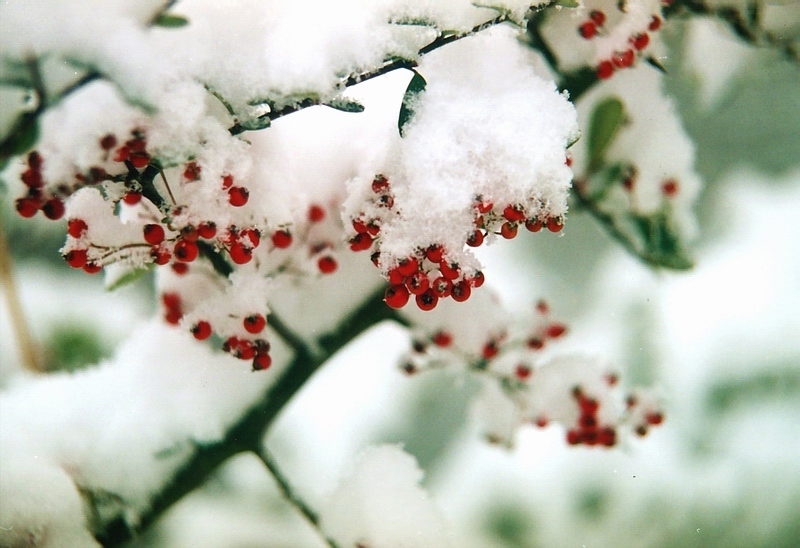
(248,432)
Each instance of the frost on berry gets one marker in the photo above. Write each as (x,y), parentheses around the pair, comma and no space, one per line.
(483,154)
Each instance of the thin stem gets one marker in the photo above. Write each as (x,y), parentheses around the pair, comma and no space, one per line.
(291,496)
(27,349)
(388,66)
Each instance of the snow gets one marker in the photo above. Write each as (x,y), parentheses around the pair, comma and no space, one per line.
(380,504)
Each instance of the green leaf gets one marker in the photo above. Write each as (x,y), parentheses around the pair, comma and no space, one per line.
(170,21)
(567,3)
(256,124)
(345,105)
(661,246)
(128,278)
(72,347)
(607,119)
(415,87)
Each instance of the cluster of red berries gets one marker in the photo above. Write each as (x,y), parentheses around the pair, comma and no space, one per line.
(645,418)
(621,59)
(255,349)
(506,221)
(588,430)
(36,199)
(429,275)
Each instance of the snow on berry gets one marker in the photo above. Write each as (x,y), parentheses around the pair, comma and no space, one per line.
(487,140)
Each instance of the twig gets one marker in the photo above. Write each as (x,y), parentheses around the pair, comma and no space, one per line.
(291,496)
(27,349)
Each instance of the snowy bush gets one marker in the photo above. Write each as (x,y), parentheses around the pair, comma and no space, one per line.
(293,174)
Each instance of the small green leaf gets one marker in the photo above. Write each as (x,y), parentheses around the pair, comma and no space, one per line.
(607,119)
(170,21)
(567,3)
(128,278)
(415,87)
(345,105)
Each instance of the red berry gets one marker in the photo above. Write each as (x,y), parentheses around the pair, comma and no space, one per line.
(238,196)
(623,59)
(589,407)
(555,224)
(442,339)
(92,268)
(139,160)
(27,207)
(186,251)
(449,271)
(227,182)
(380,184)
(316,214)
(522,372)
(533,225)
(180,268)
(555,330)
(484,207)
(407,267)
(654,418)
(396,296)
(255,323)
(282,239)
(461,291)
(427,301)
(261,362)
(542,307)
(359,226)
(386,201)
(541,422)
(108,142)
(34,160)
(171,300)
(242,349)
(607,437)
(605,70)
(535,343)
(32,178)
(253,235)
(373,229)
(475,239)
(189,233)
(513,214)
(153,234)
(361,242)
(160,256)
(173,316)
(192,171)
(327,265)
(418,283)
(77,227)
(122,154)
(442,287)
(201,330)
(655,23)
(477,279)
(573,437)
(132,198)
(490,350)
(207,230)
(53,209)
(598,17)
(639,41)
(240,254)
(434,254)
(508,231)
(395,277)
(76,258)
(669,188)
(588,30)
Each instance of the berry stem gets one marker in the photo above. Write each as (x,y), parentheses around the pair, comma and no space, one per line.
(27,348)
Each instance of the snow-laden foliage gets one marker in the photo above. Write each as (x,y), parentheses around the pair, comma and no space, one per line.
(262,155)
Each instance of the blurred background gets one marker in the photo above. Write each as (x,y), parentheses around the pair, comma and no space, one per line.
(721,344)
